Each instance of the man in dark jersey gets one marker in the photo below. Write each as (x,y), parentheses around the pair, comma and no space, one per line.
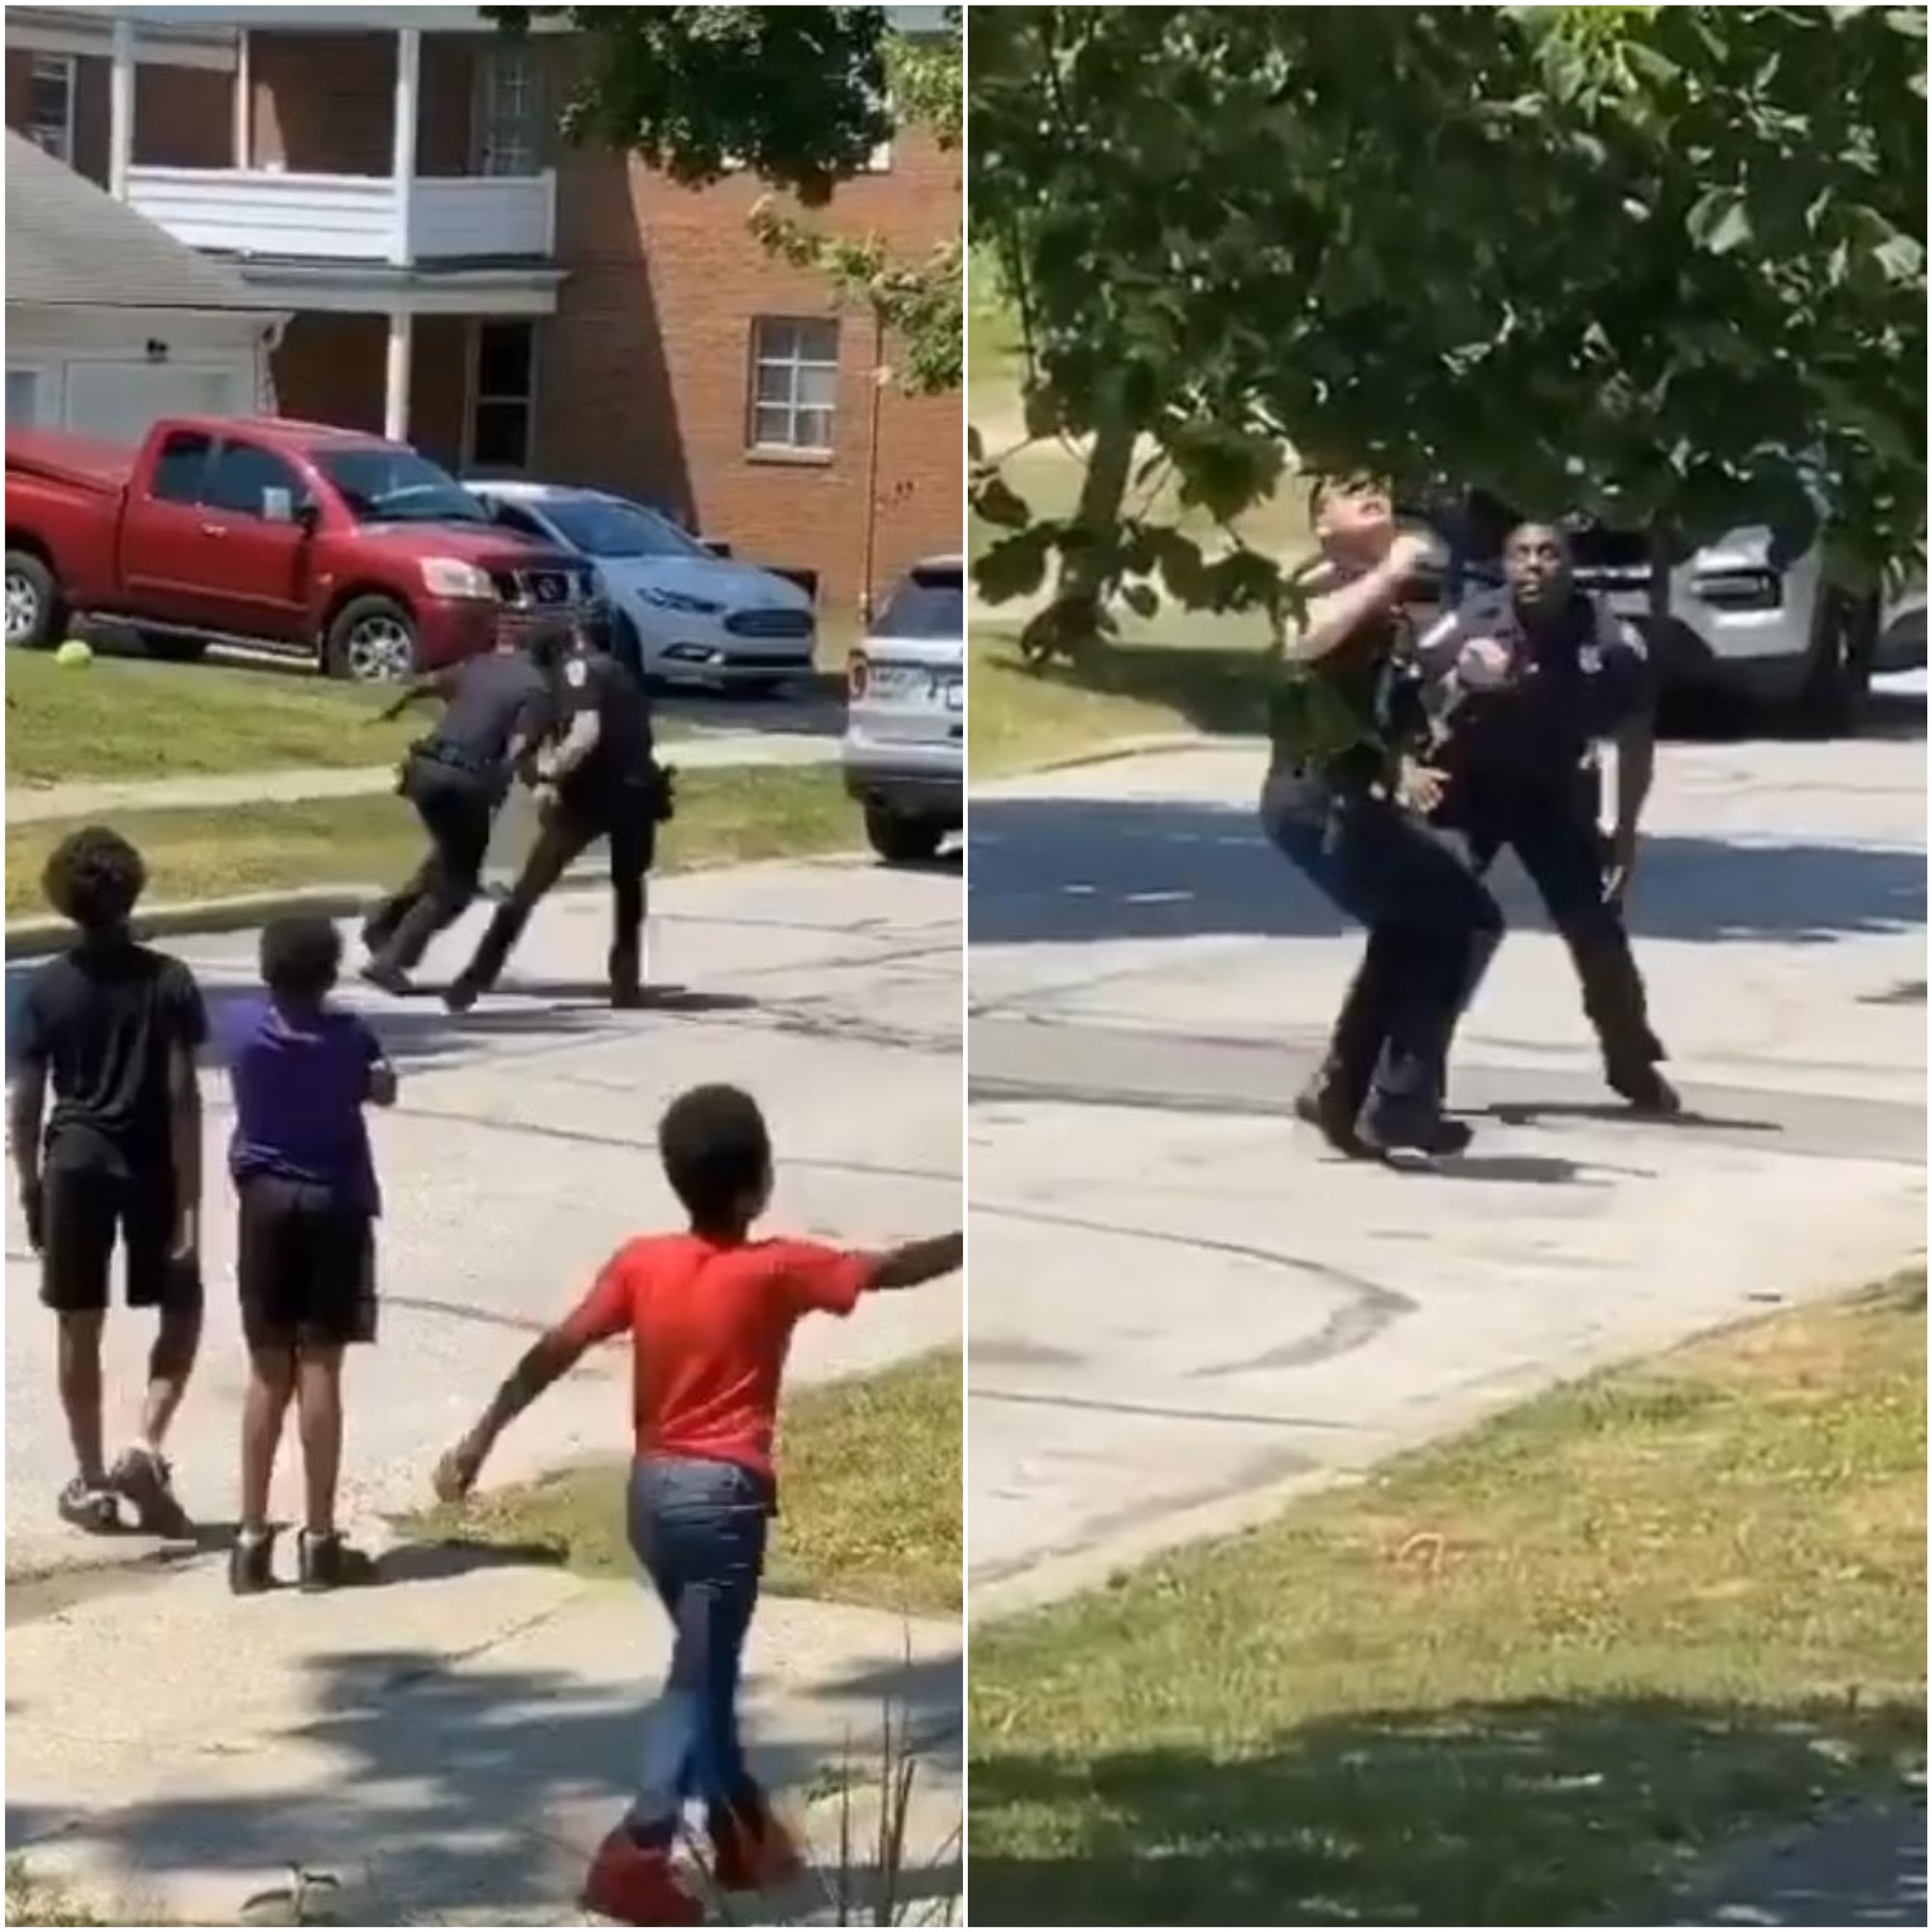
(598,780)
(1346,801)
(113,1027)
(456,777)
(1541,673)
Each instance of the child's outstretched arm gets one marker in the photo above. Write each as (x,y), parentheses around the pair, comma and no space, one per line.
(918,1262)
(547,1360)
(604,1312)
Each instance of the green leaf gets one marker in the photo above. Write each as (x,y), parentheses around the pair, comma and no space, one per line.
(1015,566)
(1719,221)
(996,501)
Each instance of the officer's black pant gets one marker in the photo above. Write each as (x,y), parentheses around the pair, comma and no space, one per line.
(456,808)
(622,817)
(1552,831)
(1433,928)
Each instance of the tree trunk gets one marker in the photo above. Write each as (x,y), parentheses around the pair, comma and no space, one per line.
(1076,617)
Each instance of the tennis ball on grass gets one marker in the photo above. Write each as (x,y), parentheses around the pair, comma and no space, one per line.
(77,652)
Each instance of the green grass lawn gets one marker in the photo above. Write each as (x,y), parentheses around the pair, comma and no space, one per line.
(1022,717)
(869,1475)
(127,721)
(1526,1678)
(725,816)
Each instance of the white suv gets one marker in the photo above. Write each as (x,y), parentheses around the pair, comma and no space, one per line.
(905,719)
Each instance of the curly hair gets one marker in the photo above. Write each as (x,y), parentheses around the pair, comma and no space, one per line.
(717,1153)
(94,878)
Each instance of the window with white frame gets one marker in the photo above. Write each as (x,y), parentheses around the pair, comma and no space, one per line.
(794,381)
(50,92)
(503,397)
(510,114)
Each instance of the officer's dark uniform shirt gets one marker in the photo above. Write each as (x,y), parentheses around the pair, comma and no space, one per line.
(1344,716)
(1574,680)
(495,697)
(589,681)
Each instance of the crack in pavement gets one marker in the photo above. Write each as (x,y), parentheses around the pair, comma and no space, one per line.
(1167,1412)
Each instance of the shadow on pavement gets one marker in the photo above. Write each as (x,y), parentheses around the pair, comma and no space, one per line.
(1512,1814)
(431,1790)
(1081,870)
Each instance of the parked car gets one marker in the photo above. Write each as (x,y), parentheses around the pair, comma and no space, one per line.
(906,719)
(679,612)
(287,537)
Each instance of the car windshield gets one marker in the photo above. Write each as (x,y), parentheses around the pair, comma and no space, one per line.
(930,603)
(396,486)
(602,527)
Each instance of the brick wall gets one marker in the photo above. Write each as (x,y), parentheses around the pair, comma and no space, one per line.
(644,375)
(329,368)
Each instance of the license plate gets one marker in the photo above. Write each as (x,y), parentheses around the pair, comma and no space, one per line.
(955,693)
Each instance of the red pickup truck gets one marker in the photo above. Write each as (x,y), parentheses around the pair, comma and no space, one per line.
(292,537)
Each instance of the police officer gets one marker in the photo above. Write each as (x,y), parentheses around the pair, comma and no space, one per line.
(456,777)
(596,778)
(1540,672)
(1346,801)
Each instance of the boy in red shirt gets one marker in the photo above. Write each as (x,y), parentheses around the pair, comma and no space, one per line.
(710,1315)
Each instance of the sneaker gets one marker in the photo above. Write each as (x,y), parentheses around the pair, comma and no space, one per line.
(252,1564)
(328,1563)
(1323,1106)
(751,1849)
(89,1506)
(636,1885)
(1646,1091)
(147,1480)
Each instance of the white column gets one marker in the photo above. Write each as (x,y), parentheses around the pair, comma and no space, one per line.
(121,109)
(396,375)
(245,88)
(403,159)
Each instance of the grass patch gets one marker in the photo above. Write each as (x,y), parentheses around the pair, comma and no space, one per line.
(725,816)
(127,721)
(869,1474)
(31,1901)
(1023,718)
(1528,1678)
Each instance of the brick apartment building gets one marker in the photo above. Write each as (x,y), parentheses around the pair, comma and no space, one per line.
(454,274)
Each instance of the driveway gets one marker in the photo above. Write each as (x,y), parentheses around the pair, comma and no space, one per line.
(1182,1310)
(522,1152)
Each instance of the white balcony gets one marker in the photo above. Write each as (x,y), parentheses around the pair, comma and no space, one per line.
(361,218)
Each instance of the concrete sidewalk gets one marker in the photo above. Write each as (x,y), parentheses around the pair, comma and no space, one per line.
(448,1747)
(217,792)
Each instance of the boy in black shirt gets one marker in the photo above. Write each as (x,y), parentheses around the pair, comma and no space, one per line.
(114,1027)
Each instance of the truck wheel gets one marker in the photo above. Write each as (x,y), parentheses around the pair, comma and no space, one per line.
(901,840)
(33,601)
(373,640)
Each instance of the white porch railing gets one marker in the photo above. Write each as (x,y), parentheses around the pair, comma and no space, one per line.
(349,217)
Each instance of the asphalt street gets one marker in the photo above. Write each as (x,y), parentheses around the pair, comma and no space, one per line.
(1183,1309)
(522,1152)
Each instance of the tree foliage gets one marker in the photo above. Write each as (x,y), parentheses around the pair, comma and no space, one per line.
(1665,265)
(802,97)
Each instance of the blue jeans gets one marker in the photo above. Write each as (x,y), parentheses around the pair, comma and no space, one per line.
(698,1528)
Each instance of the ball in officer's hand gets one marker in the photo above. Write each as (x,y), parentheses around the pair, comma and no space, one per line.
(1484,664)
(75,653)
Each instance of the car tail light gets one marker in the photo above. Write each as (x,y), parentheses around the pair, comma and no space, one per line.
(858,676)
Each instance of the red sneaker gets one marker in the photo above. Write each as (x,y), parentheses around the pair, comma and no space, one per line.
(636,1885)
(750,1848)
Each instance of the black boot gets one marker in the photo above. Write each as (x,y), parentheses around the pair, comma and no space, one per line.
(252,1564)
(627,979)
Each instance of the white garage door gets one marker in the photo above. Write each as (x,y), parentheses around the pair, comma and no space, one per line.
(120,400)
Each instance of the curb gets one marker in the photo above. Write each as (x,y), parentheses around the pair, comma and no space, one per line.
(36,938)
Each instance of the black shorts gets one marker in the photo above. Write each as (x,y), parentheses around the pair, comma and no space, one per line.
(306,1269)
(84,1211)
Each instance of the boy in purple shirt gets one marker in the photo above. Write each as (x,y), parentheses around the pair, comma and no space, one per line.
(303,1071)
